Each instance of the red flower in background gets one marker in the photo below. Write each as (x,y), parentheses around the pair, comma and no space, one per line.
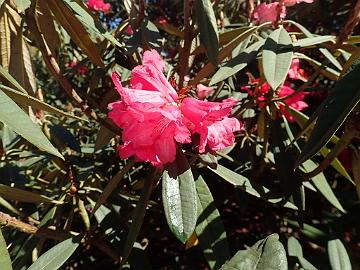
(296,101)
(99,5)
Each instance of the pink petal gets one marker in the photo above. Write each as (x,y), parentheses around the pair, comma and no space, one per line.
(153,58)
(268,13)
(203,91)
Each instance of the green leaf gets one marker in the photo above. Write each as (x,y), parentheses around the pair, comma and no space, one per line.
(277,56)
(337,106)
(11,193)
(311,41)
(308,230)
(151,34)
(55,257)
(267,253)
(17,120)
(323,186)
(11,79)
(339,259)
(89,21)
(236,64)
(113,183)
(206,21)
(250,187)
(295,250)
(27,100)
(138,216)
(5,260)
(209,229)
(179,198)
(22,4)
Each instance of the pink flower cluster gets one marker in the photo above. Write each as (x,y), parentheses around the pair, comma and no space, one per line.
(154,120)
(272,12)
(99,5)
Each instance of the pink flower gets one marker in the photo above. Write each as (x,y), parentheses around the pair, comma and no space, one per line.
(99,5)
(290,3)
(81,69)
(203,91)
(268,13)
(149,114)
(129,30)
(296,102)
(295,72)
(210,121)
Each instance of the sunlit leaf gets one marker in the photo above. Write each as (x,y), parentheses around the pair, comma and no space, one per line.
(55,257)
(277,56)
(179,198)
(268,253)
(5,260)
(339,259)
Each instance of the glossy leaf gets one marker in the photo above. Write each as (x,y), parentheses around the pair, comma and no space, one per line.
(17,120)
(179,198)
(5,260)
(268,253)
(337,106)
(250,187)
(277,56)
(210,229)
(206,21)
(339,259)
(55,257)
(236,64)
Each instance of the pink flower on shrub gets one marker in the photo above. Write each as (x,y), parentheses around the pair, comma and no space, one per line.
(210,120)
(154,120)
(290,3)
(296,102)
(295,72)
(268,13)
(203,91)
(149,114)
(99,5)
(81,69)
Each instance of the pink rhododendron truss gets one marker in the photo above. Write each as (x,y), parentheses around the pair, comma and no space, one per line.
(154,120)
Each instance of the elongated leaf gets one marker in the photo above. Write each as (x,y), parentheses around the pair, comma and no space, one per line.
(340,102)
(302,120)
(209,229)
(113,183)
(17,120)
(55,257)
(84,16)
(311,41)
(179,198)
(11,79)
(224,52)
(323,186)
(151,34)
(339,259)
(236,64)
(20,195)
(138,217)
(5,40)
(277,56)
(46,25)
(22,4)
(268,253)
(295,249)
(5,260)
(75,29)
(25,99)
(249,186)
(206,21)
